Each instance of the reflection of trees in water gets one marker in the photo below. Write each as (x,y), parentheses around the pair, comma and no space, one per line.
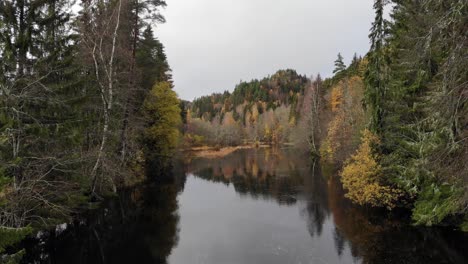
(260,173)
(379,237)
(339,240)
(139,226)
(317,200)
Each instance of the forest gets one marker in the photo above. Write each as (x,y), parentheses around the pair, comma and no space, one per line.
(86,102)
(256,111)
(394,122)
(87,106)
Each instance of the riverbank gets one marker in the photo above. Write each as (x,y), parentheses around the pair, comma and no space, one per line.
(216,152)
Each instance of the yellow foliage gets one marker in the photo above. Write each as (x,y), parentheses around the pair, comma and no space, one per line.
(228,119)
(362,174)
(292,121)
(348,119)
(336,97)
(255,115)
(326,151)
(363,66)
(268,134)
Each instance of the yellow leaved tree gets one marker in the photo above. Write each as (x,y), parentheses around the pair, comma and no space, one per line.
(362,176)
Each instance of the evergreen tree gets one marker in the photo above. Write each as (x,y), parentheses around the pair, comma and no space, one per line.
(140,13)
(353,68)
(39,112)
(424,128)
(339,65)
(152,60)
(376,75)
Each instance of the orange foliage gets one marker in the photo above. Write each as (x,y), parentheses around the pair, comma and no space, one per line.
(228,119)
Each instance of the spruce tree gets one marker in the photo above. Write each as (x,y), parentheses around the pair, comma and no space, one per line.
(151,60)
(376,74)
(339,64)
(38,119)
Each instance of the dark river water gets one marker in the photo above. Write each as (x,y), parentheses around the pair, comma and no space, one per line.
(253,206)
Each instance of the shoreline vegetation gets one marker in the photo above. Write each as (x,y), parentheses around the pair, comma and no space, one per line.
(393,122)
(211,152)
(214,152)
(87,107)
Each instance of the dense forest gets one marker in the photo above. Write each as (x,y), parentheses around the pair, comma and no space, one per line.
(256,111)
(87,105)
(393,122)
(79,96)
(398,120)
(413,148)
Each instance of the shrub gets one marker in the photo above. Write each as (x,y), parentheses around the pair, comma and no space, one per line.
(362,177)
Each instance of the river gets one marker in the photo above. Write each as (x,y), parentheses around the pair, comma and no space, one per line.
(265,205)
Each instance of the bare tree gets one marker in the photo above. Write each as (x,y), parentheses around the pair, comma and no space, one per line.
(308,132)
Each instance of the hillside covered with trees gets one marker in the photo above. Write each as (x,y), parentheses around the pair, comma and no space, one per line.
(256,111)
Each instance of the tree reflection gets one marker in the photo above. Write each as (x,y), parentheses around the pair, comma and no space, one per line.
(141,224)
(317,200)
(268,173)
(368,236)
(376,236)
(138,226)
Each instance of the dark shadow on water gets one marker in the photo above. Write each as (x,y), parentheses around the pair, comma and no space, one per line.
(140,225)
(143,224)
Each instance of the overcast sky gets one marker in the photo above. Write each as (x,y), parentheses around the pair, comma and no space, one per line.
(213,44)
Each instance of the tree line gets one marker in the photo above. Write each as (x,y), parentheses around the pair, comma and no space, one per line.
(398,121)
(86,101)
(262,111)
(394,121)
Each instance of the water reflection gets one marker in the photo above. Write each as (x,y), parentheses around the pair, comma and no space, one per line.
(252,206)
(268,173)
(138,226)
(285,178)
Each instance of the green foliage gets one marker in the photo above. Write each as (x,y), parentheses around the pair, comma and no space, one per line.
(436,202)
(162,114)
(280,88)
(14,258)
(415,84)
(52,103)
(11,236)
(339,65)
(42,116)
(464,225)
(376,76)
(151,60)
